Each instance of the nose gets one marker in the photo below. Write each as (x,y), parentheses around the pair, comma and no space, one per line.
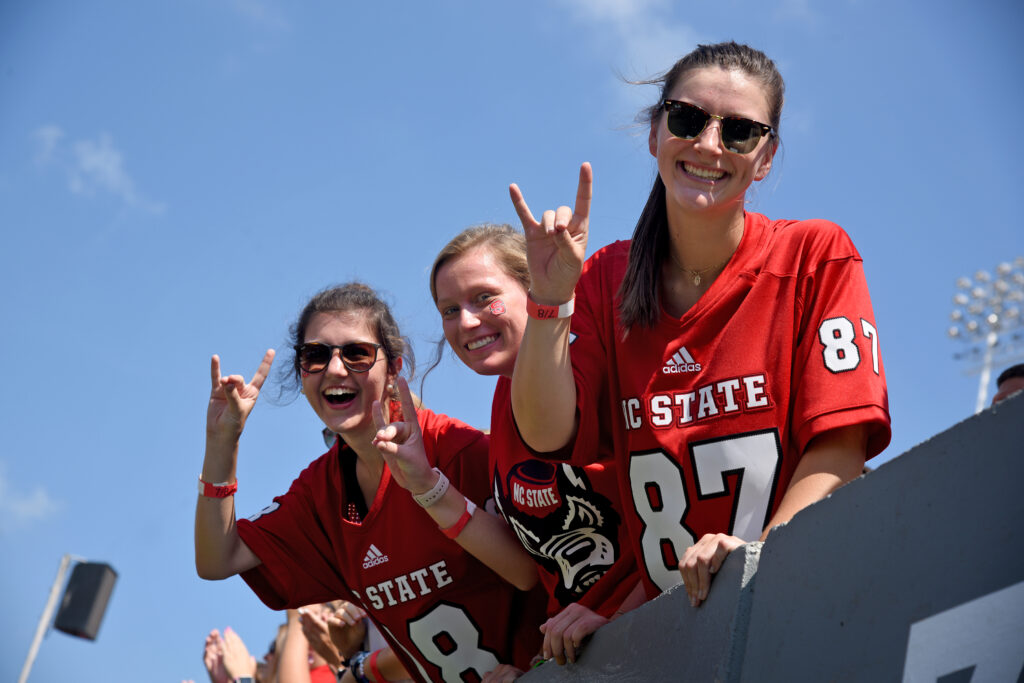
(710,139)
(468,319)
(334,365)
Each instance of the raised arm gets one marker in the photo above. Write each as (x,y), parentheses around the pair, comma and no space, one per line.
(543,388)
(483,535)
(220,552)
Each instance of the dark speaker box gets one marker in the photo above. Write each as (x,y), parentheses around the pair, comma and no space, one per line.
(85,599)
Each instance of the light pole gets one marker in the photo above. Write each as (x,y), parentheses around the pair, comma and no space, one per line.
(987,317)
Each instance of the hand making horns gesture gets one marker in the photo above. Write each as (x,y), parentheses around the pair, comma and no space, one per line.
(401,444)
(231,399)
(556,246)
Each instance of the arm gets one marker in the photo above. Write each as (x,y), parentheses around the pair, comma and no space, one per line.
(220,553)
(543,387)
(831,459)
(293,662)
(485,536)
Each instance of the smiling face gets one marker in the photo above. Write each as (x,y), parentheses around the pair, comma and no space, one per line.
(341,398)
(699,174)
(484,333)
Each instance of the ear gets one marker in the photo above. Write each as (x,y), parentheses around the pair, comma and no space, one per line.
(394,370)
(765,165)
(652,138)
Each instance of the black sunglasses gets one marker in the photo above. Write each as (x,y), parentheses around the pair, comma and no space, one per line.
(738,134)
(314,357)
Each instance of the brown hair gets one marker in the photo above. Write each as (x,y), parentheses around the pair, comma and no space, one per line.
(506,243)
(350,298)
(638,293)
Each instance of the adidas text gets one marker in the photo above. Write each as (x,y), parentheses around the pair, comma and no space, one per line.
(675,368)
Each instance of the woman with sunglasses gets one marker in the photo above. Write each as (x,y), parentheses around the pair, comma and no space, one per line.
(735,357)
(348,529)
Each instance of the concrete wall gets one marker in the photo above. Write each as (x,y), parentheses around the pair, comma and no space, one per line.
(914,572)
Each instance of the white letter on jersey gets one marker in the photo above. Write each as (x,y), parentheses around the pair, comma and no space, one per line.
(630,406)
(661,410)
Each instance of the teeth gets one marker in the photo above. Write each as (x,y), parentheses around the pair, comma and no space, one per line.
(702,172)
(477,343)
(339,392)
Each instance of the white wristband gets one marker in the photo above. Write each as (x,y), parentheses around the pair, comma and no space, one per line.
(435,494)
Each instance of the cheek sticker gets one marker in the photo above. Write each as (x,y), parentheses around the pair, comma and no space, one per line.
(303,372)
(497,307)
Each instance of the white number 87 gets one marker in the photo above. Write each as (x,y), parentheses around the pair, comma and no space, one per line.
(840,352)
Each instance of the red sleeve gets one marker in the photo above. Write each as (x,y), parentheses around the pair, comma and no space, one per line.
(591,338)
(296,568)
(458,450)
(839,379)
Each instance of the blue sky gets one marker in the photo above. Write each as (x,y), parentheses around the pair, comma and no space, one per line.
(176,179)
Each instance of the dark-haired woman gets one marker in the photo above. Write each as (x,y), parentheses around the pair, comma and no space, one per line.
(735,357)
(347,528)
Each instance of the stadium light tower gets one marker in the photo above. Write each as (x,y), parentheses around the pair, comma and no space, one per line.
(987,317)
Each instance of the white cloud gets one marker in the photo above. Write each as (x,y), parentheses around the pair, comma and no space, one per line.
(263,13)
(644,38)
(798,11)
(92,167)
(20,508)
(47,138)
(643,31)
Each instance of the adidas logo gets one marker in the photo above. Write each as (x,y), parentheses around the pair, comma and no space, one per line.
(681,361)
(374,557)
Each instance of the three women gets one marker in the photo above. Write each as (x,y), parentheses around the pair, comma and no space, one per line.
(704,381)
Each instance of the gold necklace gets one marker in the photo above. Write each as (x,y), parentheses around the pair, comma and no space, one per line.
(695,274)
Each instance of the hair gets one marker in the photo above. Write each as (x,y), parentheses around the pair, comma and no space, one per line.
(352,297)
(504,242)
(1011,372)
(638,294)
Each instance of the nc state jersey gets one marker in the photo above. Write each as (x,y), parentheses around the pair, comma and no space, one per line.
(565,516)
(711,412)
(447,616)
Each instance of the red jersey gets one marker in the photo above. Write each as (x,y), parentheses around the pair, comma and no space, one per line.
(444,613)
(711,412)
(565,516)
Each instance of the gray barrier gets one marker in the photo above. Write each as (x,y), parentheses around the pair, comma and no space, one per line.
(914,572)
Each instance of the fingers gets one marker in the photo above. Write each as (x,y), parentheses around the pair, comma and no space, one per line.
(215,371)
(349,613)
(565,632)
(702,560)
(378,416)
(408,405)
(584,191)
(313,622)
(263,370)
(503,673)
(522,210)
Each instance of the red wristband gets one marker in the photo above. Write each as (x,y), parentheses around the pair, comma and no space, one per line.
(455,529)
(372,663)
(222,490)
(541,312)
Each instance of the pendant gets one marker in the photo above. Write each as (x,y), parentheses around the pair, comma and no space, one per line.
(696,280)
